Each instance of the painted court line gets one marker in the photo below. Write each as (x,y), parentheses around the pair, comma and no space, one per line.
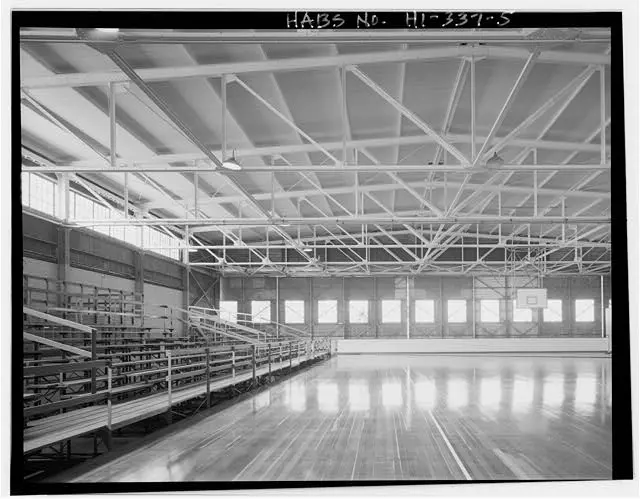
(453,452)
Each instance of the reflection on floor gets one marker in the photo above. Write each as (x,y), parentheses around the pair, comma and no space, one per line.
(398,417)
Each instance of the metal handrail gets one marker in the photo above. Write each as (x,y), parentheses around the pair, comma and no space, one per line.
(174,367)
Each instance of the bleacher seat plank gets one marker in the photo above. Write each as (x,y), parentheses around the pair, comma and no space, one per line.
(60,427)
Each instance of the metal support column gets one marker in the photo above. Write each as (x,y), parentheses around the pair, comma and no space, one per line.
(169,394)
(207,353)
(443,308)
(343,75)
(195,194)
(473,306)
(223,91)
(64,264)
(602,312)
(311,308)
(253,364)
(408,309)
(278,308)
(112,124)
(374,307)
(603,145)
(473,108)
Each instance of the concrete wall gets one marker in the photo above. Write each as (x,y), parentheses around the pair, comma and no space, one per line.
(154,298)
(469,345)
(98,260)
(39,268)
(100,280)
(440,289)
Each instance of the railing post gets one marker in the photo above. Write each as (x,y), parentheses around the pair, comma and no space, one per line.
(290,355)
(253,362)
(280,355)
(208,370)
(269,354)
(109,395)
(233,362)
(94,356)
(169,416)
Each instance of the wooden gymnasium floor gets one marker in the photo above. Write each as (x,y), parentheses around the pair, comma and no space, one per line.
(393,417)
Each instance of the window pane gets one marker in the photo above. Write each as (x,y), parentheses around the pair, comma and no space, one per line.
(35,194)
(261,312)
(457,311)
(164,243)
(425,311)
(359,312)
(553,312)
(50,198)
(145,236)
(521,314)
(489,311)
(42,194)
(104,213)
(327,311)
(294,312)
(72,204)
(117,231)
(585,311)
(84,209)
(25,178)
(229,311)
(132,235)
(391,311)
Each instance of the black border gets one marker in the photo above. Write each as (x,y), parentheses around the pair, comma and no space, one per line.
(621,366)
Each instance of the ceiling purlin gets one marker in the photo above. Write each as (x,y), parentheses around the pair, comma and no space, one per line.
(455,232)
(215,104)
(120,127)
(215,101)
(569,98)
(181,208)
(402,74)
(285,109)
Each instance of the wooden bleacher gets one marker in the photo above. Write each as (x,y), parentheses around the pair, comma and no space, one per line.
(92,363)
(204,378)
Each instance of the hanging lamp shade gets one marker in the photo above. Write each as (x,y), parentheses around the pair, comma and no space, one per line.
(232,163)
(495,161)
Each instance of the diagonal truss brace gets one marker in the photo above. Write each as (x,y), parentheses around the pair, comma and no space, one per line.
(455,152)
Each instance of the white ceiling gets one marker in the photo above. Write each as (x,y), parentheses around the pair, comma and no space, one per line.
(312,99)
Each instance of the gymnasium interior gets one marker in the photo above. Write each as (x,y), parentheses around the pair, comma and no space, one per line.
(256,255)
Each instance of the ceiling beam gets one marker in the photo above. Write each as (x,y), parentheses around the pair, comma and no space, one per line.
(330,192)
(355,144)
(454,99)
(430,232)
(286,110)
(306,63)
(574,86)
(359,245)
(522,77)
(284,118)
(146,36)
(316,168)
(411,116)
(259,222)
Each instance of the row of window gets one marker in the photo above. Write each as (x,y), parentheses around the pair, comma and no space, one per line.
(39,193)
(391,311)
